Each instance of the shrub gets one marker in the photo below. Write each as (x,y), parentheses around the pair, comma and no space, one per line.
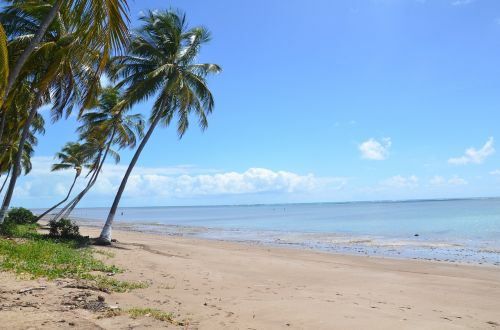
(7,228)
(64,228)
(11,229)
(20,216)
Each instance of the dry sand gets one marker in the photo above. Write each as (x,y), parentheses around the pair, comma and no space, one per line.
(223,285)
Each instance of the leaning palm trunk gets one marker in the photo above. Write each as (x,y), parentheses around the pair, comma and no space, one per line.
(64,200)
(66,211)
(16,168)
(14,73)
(67,206)
(5,181)
(105,237)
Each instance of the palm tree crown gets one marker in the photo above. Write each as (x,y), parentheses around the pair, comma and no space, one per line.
(73,155)
(160,62)
(109,120)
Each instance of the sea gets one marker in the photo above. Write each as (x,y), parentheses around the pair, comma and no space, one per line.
(455,231)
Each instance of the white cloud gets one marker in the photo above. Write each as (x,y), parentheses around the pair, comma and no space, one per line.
(461,2)
(184,181)
(495,172)
(474,156)
(457,181)
(400,181)
(375,150)
(441,181)
(437,181)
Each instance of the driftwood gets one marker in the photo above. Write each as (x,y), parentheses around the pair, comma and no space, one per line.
(31,289)
(86,287)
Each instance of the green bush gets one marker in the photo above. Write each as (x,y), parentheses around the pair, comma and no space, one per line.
(64,228)
(11,229)
(20,216)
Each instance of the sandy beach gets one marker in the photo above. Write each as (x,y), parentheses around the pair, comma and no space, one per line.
(224,285)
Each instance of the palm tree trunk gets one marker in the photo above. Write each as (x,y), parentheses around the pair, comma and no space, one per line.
(17,163)
(14,73)
(65,211)
(58,215)
(65,199)
(70,207)
(105,237)
(5,181)
(78,198)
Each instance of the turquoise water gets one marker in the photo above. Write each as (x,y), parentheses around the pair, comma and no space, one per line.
(452,230)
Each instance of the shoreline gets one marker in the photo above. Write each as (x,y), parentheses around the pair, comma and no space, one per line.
(339,244)
(227,285)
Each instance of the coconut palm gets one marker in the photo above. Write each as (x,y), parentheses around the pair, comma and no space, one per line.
(103,20)
(60,69)
(104,126)
(4,75)
(98,151)
(14,119)
(72,156)
(5,180)
(4,65)
(160,63)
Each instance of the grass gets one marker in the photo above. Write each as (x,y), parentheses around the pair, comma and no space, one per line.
(107,254)
(117,286)
(151,312)
(20,231)
(44,258)
(30,254)
(137,312)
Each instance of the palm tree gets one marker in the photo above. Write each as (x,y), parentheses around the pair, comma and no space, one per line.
(106,125)
(103,20)
(4,66)
(60,69)
(5,180)
(160,61)
(4,76)
(72,156)
(14,119)
(97,150)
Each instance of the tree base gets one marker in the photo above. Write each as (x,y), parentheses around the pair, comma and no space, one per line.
(102,242)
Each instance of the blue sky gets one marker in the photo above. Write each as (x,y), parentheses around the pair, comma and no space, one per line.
(321,101)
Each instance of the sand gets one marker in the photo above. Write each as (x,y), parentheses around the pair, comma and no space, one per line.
(226,285)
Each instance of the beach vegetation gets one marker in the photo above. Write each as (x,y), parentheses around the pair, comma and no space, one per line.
(63,228)
(151,312)
(30,254)
(10,229)
(20,216)
(103,126)
(41,257)
(107,254)
(160,63)
(59,51)
(4,63)
(54,53)
(111,284)
(137,312)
